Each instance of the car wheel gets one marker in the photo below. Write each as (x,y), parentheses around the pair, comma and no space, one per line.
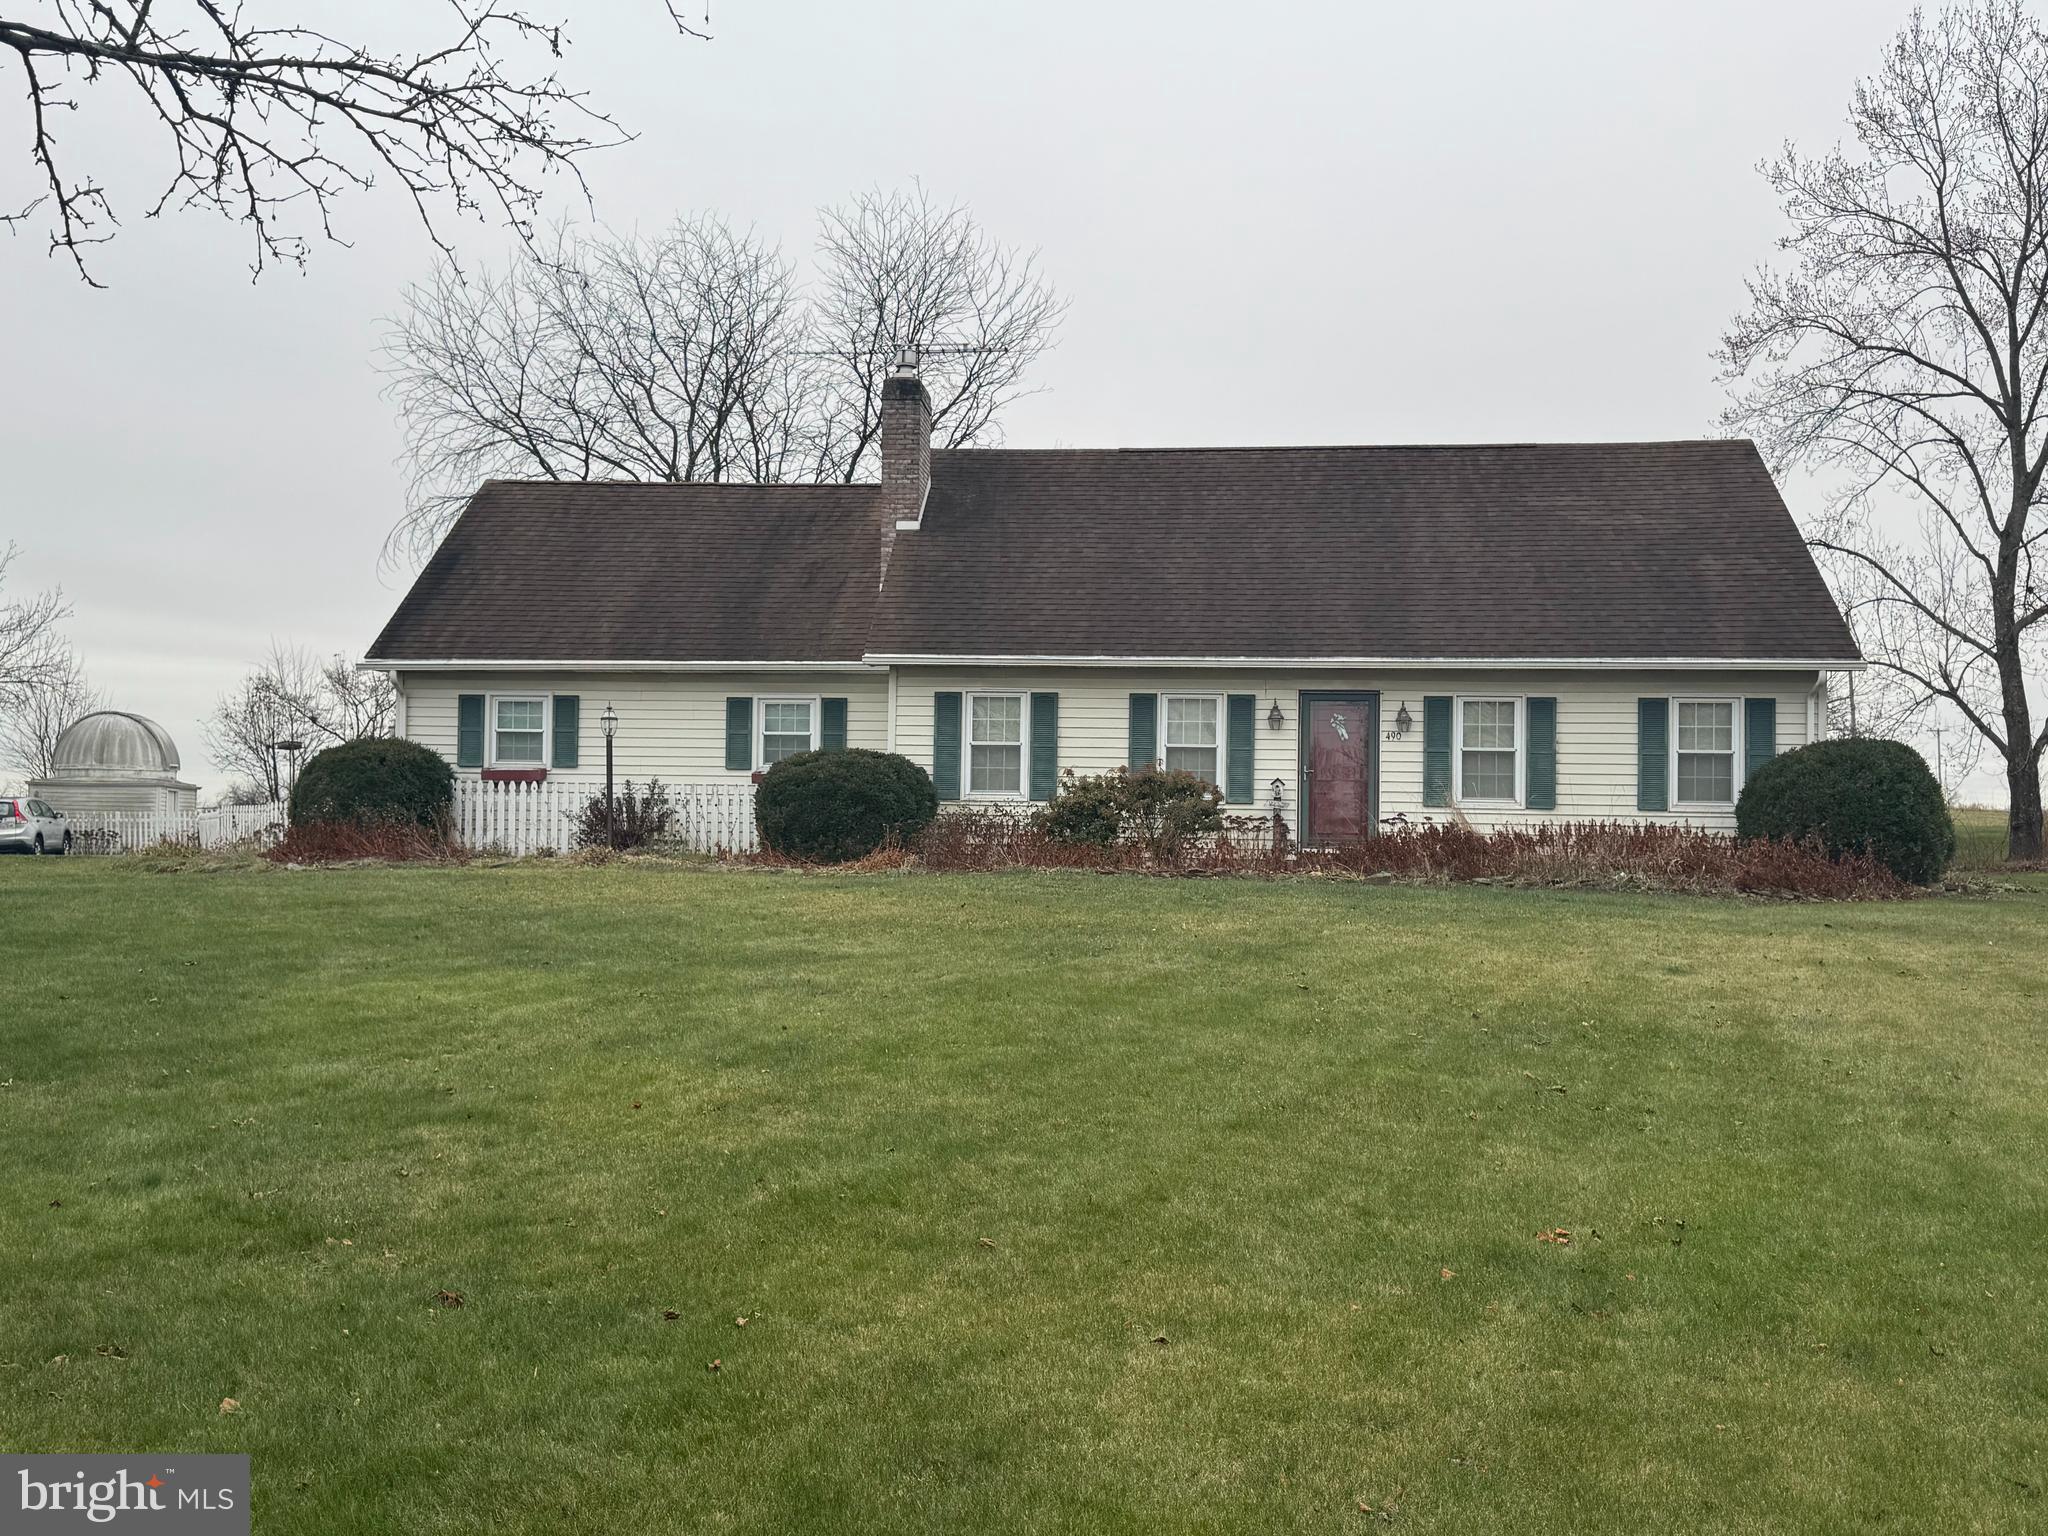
(39,845)
(67,844)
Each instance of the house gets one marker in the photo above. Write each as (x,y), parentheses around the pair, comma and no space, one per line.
(1524,632)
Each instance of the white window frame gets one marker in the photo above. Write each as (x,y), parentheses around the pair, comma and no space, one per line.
(1521,703)
(1735,750)
(547,727)
(1222,730)
(967,745)
(761,703)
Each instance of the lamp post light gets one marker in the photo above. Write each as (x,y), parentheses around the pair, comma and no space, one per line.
(610,720)
(290,746)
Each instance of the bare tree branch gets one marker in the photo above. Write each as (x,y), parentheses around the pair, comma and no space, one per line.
(31,656)
(29,728)
(259,118)
(292,695)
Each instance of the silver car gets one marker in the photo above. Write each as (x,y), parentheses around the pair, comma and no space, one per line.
(32,826)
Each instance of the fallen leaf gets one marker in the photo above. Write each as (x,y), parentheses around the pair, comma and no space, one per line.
(1160,1339)
(1560,1235)
(112,1352)
(739,1322)
(714,1365)
(55,1203)
(449,1298)
(670,1316)
(988,1242)
(1447,1274)
(636,1103)
(230,1405)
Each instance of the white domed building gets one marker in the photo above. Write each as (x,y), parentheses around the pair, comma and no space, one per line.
(113,761)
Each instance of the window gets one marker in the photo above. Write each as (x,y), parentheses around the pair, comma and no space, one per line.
(1194,735)
(995,744)
(519,732)
(788,726)
(1490,750)
(1704,742)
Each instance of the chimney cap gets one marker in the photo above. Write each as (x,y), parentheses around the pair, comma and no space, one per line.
(908,363)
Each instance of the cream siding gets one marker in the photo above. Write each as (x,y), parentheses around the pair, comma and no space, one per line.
(1596,724)
(671,724)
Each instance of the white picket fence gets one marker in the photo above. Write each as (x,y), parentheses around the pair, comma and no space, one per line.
(521,819)
(133,831)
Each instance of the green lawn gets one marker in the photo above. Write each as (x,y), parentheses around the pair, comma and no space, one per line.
(1051,1203)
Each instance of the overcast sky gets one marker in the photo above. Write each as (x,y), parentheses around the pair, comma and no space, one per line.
(1344,222)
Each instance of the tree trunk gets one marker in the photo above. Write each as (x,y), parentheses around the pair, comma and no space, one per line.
(2023,828)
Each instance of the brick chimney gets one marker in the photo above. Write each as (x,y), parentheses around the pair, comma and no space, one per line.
(906,452)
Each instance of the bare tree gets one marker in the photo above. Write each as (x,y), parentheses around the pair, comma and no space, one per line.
(1904,351)
(903,274)
(30,726)
(269,121)
(29,653)
(696,356)
(673,358)
(294,696)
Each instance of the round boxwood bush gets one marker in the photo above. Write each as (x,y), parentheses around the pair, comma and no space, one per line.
(828,807)
(1854,795)
(381,779)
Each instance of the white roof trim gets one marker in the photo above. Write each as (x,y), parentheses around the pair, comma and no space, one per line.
(1387,663)
(1285,663)
(570,664)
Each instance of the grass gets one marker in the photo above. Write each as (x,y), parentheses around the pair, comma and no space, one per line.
(1051,1203)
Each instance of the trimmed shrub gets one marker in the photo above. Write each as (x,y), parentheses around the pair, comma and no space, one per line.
(1156,810)
(1854,796)
(380,779)
(638,820)
(1088,811)
(829,807)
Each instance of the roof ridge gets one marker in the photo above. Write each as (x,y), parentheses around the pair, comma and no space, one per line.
(1584,443)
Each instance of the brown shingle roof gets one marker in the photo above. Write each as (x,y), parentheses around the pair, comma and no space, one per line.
(1524,551)
(1640,550)
(551,570)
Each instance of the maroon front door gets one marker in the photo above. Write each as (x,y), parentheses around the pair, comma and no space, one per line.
(1337,760)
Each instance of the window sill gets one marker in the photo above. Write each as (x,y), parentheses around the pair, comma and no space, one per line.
(514,775)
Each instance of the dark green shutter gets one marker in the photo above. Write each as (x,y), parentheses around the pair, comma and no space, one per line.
(1045,745)
(1436,749)
(568,730)
(1144,752)
(1241,735)
(739,734)
(1541,715)
(946,745)
(1759,734)
(469,730)
(832,725)
(1653,756)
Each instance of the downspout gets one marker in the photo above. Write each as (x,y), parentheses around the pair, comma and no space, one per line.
(892,709)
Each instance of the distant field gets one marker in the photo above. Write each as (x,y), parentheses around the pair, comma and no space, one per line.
(1050,1203)
(1980,837)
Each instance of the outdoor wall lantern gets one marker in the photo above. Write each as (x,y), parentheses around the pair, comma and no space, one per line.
(1403,721)
(1274,719)
(610,720)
